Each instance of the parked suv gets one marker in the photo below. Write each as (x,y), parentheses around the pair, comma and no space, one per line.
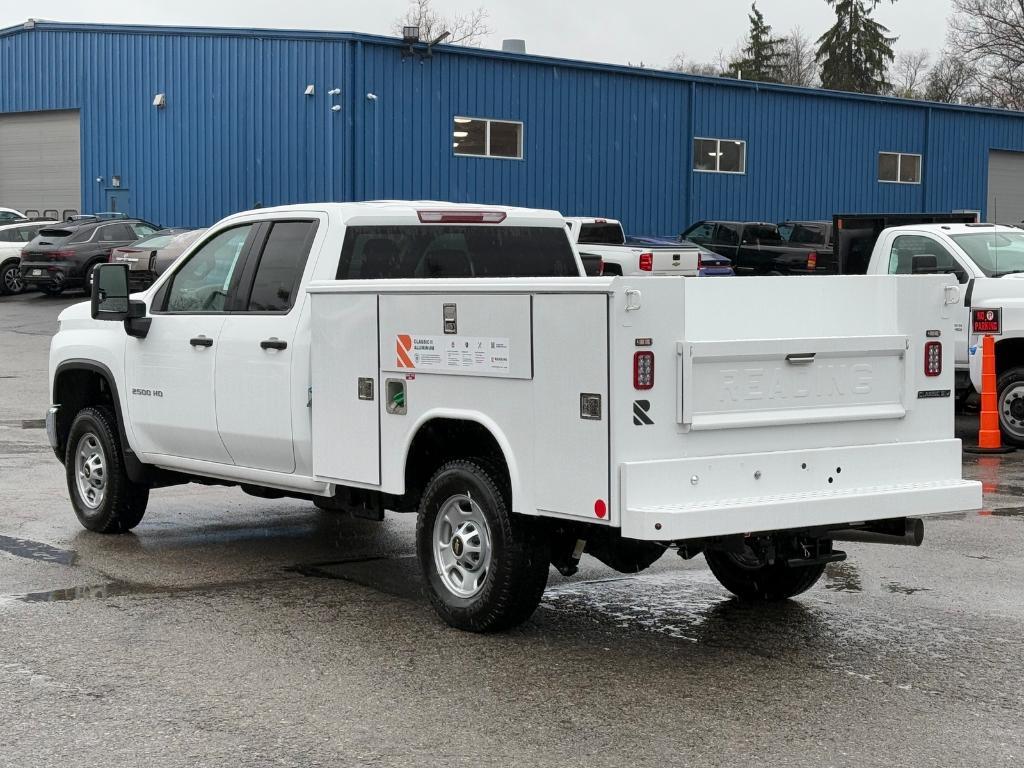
(150,257)
(62,256)
(13,238)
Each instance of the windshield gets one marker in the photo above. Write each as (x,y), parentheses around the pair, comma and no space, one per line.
(995,253)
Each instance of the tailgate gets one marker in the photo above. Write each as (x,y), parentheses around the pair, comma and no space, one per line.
(781,403)
(674,261)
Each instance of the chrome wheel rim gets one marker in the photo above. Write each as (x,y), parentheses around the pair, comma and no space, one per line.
(12,280)
(462,546)
(1011,410)
(91,470)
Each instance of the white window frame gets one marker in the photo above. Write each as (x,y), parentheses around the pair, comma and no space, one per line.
(718,156)
(899,167)
(487,137)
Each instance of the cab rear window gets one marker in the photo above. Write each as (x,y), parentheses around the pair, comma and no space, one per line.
(601,234)
(427,251)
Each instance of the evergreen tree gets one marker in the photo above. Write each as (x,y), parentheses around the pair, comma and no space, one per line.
(764,57)
(856,52)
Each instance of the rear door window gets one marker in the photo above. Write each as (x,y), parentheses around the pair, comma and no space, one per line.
(116,233)
(727,235)
(284,256)
(428,251)
(760,234)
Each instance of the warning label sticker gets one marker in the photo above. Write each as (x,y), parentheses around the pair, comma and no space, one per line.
(452,354)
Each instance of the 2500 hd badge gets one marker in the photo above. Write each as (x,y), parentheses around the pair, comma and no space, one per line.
(147,392)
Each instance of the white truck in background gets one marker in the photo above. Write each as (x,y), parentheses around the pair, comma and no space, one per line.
(987,262)
(605,238)
(451,361)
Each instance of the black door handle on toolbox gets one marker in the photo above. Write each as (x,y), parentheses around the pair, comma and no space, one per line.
(273,344)
(201,341)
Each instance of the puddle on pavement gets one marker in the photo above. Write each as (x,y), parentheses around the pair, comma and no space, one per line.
(36,550)
(16,449)
(33,423)
(901,589)
(1004,512)
(397,575)
(121,588)
(843,577)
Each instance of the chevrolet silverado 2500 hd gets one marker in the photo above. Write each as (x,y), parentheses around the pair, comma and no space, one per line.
(988,263)
(453,361)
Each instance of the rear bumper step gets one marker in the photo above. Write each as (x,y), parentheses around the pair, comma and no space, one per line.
(799,510)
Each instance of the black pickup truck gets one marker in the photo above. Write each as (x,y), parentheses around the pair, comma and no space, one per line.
(841,246)
(759,248)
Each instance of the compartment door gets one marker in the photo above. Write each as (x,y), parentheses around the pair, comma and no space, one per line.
(346,388)
(570,452)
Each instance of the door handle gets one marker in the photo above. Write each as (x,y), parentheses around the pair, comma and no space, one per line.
(201,341)
(801,359)
(273,344)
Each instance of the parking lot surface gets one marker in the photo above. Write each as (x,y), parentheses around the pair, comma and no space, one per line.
(230,630)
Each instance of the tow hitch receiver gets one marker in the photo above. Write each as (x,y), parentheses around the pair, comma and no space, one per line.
(818,552)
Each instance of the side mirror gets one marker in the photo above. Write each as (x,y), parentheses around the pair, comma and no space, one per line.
(110,292)
(110,300)
(925,264)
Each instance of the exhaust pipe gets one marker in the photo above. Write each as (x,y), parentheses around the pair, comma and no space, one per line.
(900,531)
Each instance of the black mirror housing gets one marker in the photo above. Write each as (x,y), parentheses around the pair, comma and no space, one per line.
(110,292)
(925,264)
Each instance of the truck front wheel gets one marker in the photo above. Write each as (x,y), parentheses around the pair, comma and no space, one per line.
(750,577)
(104,498)
(485,567)
(1010,389)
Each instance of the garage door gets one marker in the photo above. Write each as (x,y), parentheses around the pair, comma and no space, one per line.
(1005,187)
(40,161)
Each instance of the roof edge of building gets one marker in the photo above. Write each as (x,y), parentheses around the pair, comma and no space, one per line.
(33,25)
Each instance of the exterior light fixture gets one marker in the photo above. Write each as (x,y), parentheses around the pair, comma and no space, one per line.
(310,90)
(463,120)
(160,100)
(115,181)
(336,108)
(410,35)
(334,92)
(460,134)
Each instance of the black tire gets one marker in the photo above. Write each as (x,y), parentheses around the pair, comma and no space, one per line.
(750,579)
(52,290)
(10,279)
(123,503)
(518,572)
(1010,397)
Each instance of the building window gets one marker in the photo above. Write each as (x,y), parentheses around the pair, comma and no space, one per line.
(720,155)
(899,168)
(478,137)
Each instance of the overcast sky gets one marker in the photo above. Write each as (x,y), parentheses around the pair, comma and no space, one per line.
(619,31)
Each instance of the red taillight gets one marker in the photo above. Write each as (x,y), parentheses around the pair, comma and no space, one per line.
(61,254)
(646,262)
(700,260)
(812,261)
(461,217)
(933,358)
(643,370)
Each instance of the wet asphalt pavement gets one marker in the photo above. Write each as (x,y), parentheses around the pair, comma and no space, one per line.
(230,630)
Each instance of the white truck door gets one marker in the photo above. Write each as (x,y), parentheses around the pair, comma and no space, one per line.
(171,372)
(904,247)
(256,394)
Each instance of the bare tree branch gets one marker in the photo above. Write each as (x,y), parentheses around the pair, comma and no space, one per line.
(801,68)
(988,35)
(466,29)
(909,73)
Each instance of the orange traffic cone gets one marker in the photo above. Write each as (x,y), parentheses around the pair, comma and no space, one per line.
(989,437)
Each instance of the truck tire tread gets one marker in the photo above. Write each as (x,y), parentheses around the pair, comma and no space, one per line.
(519,568)
(772,582)
(125,502)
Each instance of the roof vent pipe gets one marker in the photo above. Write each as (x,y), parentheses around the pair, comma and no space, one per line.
(513,45)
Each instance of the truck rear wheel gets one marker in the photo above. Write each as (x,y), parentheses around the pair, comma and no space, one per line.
(104,498)
(485,567)
(750,577)
(1010,389)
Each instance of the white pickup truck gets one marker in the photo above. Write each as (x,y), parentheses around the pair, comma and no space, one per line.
(988,262)
(373,356)
(606,239)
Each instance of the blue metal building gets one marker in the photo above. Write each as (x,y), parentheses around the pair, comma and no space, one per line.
(184,125)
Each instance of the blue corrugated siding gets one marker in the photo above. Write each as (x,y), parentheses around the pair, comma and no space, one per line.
(598,140)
